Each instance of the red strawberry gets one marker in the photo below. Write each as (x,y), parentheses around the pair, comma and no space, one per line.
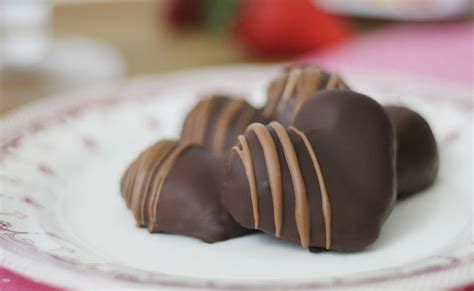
(287,27)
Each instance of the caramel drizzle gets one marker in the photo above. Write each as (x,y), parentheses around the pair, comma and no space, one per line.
(246,156)
(133,178)
(322,185)
(201,121)
(307,86)
(189,125)
(138,176)
(142,182)
(159,159)
(272,98)
(223,123)
(196,123)
(290,86)
(160,179)
(305,81)
(272,164)
(125,183)
(137,182)
(302,210)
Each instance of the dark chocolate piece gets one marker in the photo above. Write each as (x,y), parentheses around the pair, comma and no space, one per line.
(216,122)
(417,152)
(287,93)
(328,186)
(174,188)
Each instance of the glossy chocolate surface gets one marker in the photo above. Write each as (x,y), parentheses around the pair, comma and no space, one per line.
(343,206)
(417,152)
(174,188)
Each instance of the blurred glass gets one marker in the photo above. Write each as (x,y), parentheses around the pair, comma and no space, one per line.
(400,9)
(25,33)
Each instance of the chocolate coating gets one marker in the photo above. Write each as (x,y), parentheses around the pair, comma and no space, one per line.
(174,188)
(417,152)
(329,186)
(216,122)
(287,93)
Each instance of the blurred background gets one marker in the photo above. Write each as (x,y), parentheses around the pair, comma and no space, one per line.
(48,47)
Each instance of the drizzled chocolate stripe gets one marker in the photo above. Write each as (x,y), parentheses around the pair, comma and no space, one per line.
(302,82)
(132,180)
(272,163)
(125,184)
(246,156)
(159,180)
(231,116)
(138,176)
(286,92)
(159,159)
(307,86)
(187,130)
(290,85)
(274,172)
(200,121)
(196,122)
(143,176)
(302,212)
(143,180)
(322,185)
(223,123)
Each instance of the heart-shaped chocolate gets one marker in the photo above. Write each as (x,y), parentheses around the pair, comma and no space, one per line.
(174,188)
(327,182)
(417,154)
(289,91)
(215,122)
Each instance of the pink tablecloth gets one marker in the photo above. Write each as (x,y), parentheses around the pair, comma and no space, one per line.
(438,51)
(10,281)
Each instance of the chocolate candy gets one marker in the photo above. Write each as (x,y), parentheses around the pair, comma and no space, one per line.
(289,91)
(216,122)
(327,182)
(417,153)
(174,188)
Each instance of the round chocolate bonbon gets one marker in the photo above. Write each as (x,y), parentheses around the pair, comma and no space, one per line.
(174,188)
(216,122)
(417,152)
(288,92)
(330,187)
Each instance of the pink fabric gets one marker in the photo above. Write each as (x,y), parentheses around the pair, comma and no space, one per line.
(10,281)
(439,51)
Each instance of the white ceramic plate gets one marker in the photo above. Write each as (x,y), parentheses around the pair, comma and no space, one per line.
(63,221)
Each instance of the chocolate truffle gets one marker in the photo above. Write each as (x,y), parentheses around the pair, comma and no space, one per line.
(216,122)
(287,93)
(330,188)
(417,152)
(174,188)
